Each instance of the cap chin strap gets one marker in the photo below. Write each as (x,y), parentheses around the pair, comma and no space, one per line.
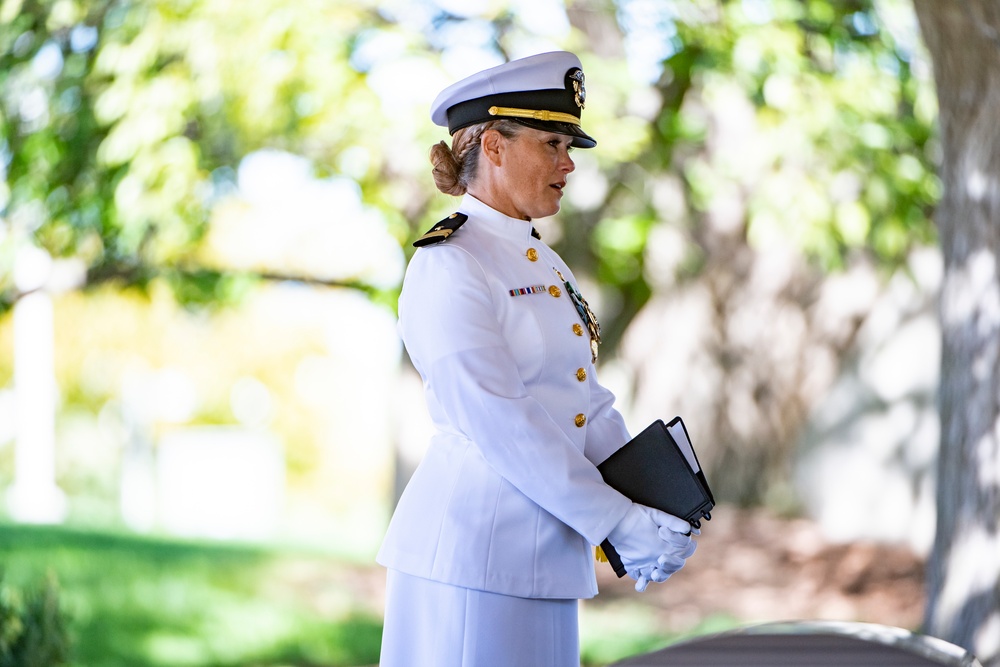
(512,112)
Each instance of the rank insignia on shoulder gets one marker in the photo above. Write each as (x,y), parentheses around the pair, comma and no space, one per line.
(441,230)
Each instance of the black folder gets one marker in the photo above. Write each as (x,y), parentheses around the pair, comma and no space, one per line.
(659,468)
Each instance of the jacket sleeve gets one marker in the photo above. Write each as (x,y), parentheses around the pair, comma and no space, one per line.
(606,430)
(449,325)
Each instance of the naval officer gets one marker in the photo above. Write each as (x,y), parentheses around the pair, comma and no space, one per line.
(491,544)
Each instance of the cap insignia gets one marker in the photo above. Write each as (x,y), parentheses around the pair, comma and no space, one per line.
(579,89)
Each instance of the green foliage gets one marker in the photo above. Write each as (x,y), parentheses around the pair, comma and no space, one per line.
(119,120)
(33,629)
(122,124)
(803,124)
(844,153)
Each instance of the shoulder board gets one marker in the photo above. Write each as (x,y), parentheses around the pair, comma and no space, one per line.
(441,230)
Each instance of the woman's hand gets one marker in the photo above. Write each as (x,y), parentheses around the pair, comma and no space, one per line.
(652,544)
(666,565)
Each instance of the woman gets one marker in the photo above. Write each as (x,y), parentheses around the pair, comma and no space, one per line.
(490,546)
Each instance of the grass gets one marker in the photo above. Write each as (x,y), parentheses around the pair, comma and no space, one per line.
(612,631)
(144,602)
(136,601)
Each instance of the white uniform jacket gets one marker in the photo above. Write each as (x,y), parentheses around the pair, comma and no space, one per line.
(508,498)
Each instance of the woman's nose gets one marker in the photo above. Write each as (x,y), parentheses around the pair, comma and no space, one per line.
(567,162)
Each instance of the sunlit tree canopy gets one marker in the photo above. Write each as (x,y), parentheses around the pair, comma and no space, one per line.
(125,126)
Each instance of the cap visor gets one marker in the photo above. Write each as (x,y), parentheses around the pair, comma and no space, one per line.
(580,138)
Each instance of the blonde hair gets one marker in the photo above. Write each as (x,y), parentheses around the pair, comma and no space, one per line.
(454,168)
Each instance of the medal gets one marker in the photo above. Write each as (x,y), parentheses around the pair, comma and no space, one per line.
(586,314)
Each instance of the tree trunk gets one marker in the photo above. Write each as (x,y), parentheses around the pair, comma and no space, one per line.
(963,573)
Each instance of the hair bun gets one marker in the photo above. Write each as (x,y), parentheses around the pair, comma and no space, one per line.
(446,170)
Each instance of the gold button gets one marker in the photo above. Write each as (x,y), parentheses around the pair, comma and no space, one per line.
(532,254)
(581,374)
(580,420)
(577,329)
(555,291)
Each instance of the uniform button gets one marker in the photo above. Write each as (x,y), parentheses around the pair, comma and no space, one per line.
(577,329)
(532,254)
(555,291)
(580,420)
(581,374)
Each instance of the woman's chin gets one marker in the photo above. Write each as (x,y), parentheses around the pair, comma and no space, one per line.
(546,211)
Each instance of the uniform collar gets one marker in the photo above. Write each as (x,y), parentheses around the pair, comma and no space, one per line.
(496,222)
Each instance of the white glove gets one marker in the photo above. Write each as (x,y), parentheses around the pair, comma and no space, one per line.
(666,566)
(652,544)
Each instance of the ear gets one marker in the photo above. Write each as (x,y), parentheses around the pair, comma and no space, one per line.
(493,144)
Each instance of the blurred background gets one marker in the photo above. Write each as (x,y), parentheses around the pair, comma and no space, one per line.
(206,209)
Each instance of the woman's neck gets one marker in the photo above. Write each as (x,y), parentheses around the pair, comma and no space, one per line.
(495,200)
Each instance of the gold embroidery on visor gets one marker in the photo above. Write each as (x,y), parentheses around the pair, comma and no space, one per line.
(540,114)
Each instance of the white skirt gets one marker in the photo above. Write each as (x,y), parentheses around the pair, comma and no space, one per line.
(430,624)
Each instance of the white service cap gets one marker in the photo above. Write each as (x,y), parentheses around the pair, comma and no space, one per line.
(545,91)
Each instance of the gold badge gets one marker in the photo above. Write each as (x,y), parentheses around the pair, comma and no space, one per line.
(579,89)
